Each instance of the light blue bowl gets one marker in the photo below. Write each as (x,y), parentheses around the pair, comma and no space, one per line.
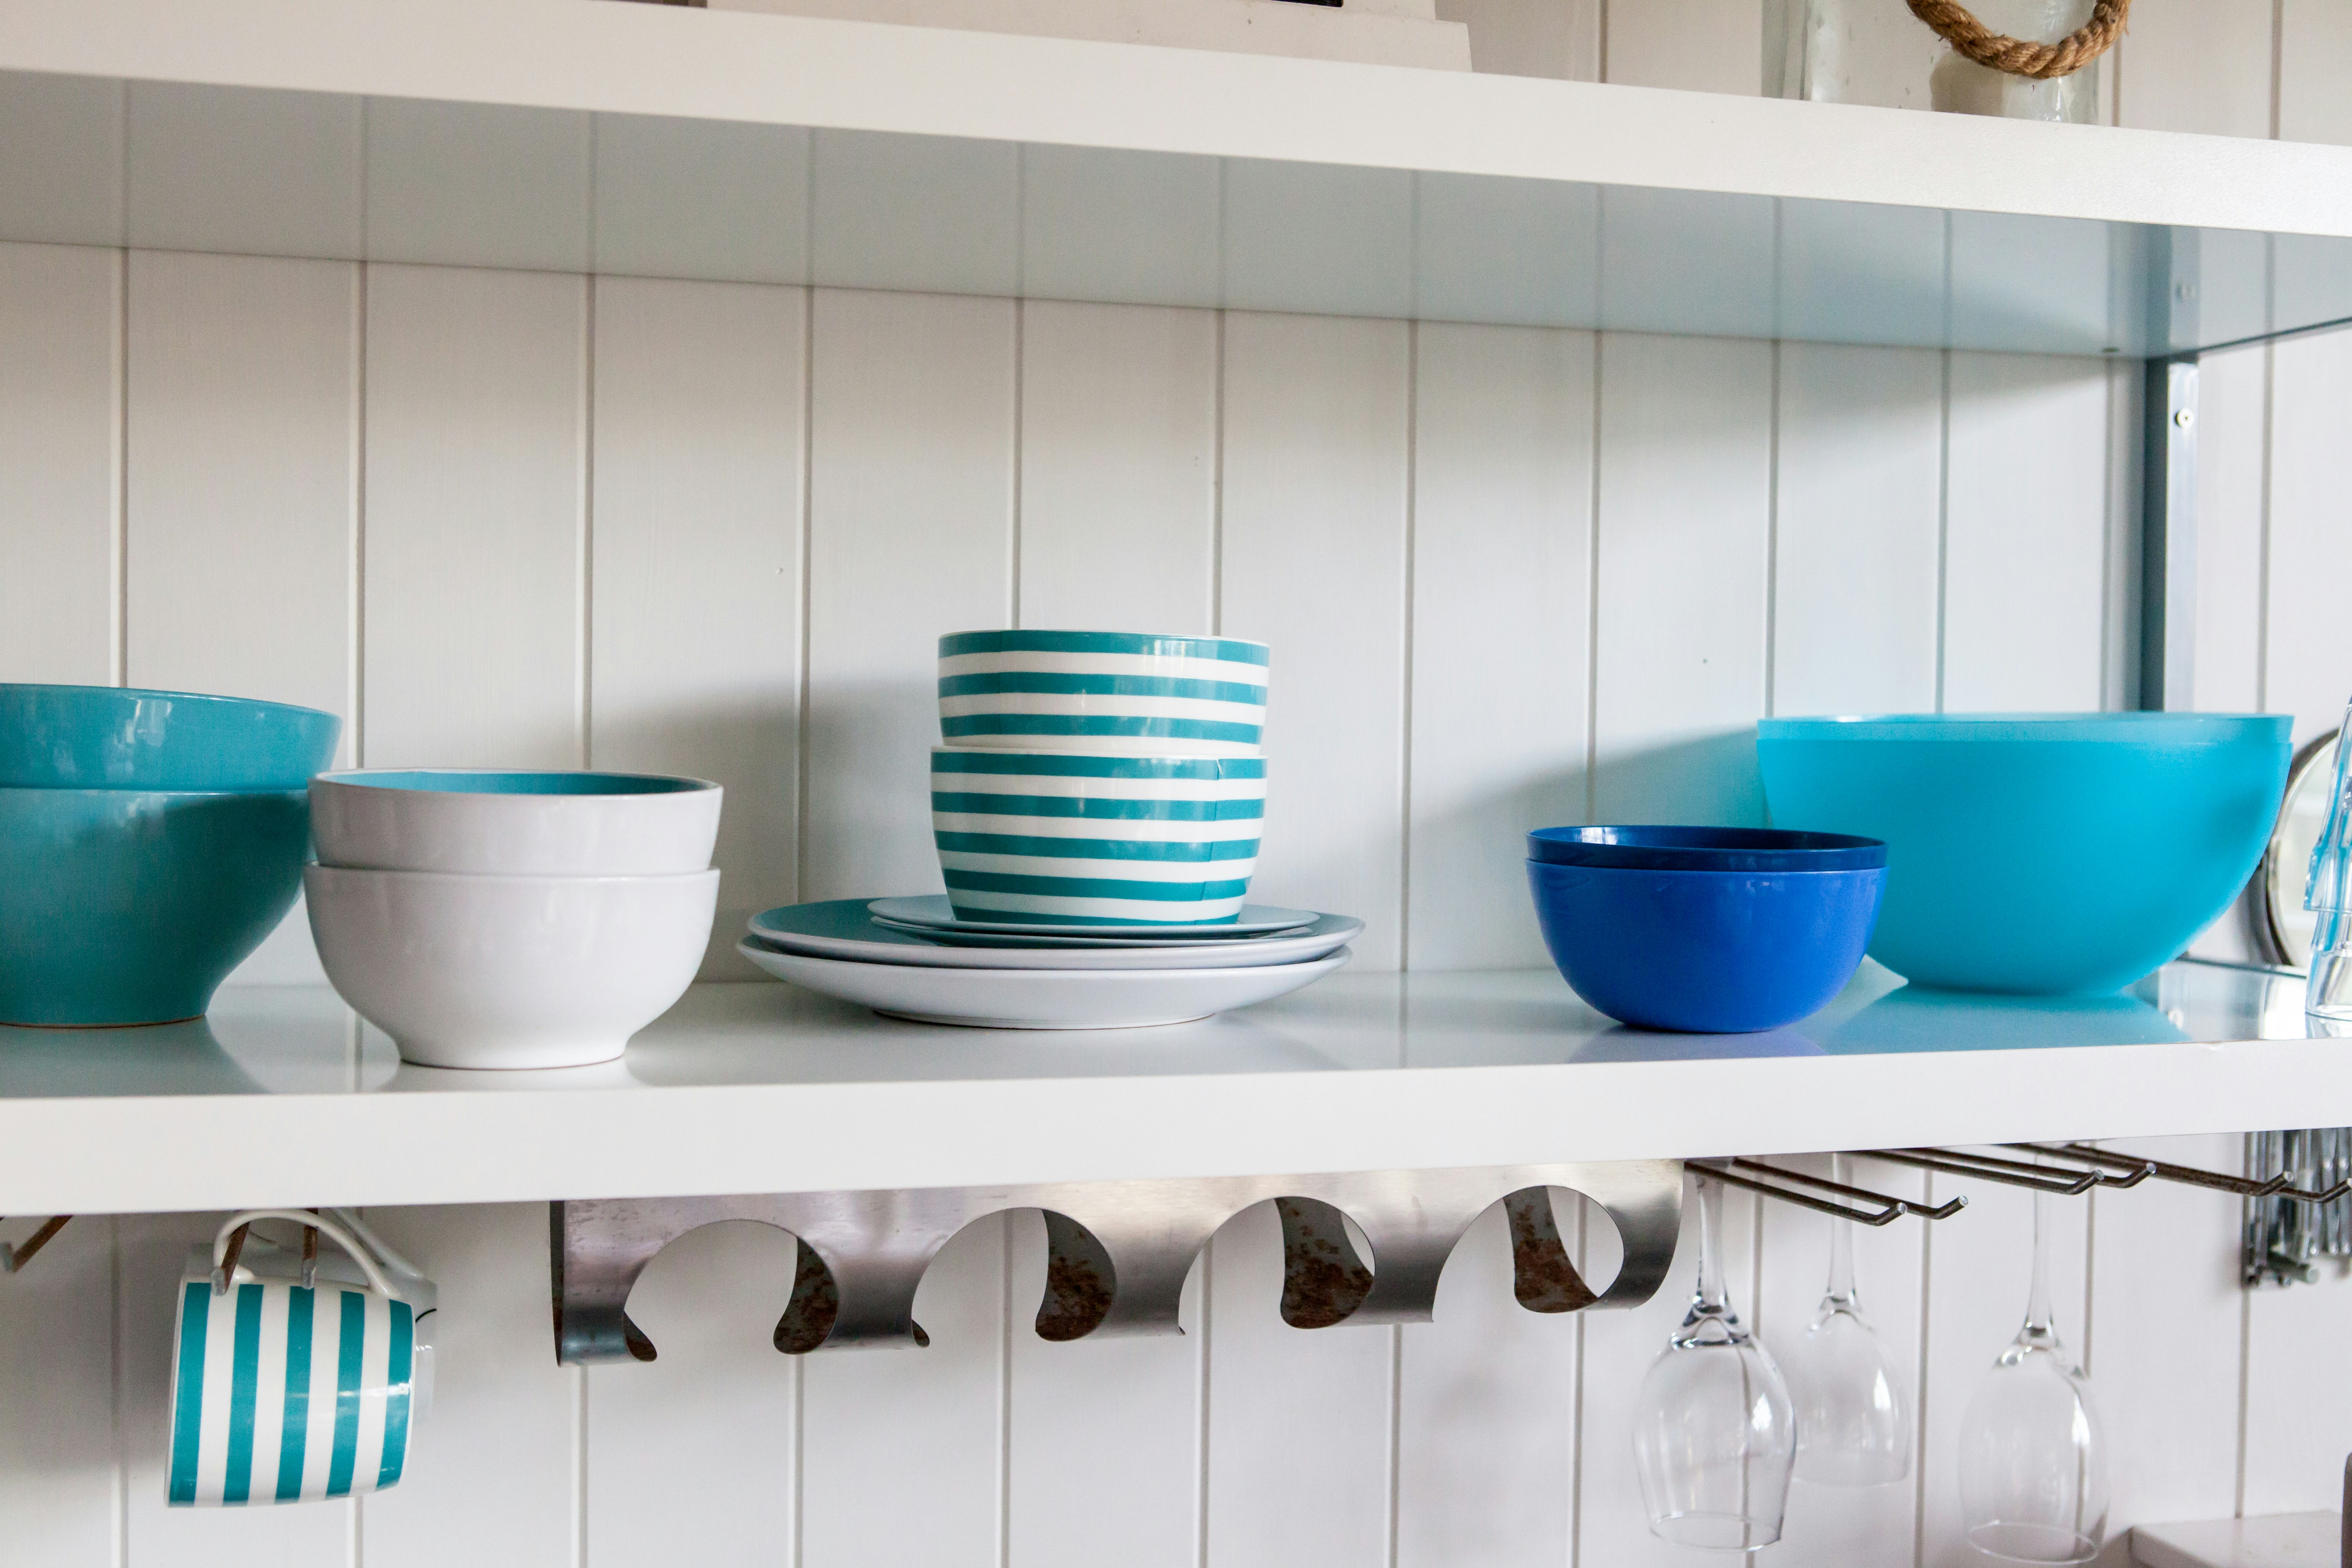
(113,737)
(2038,854)
(132,906)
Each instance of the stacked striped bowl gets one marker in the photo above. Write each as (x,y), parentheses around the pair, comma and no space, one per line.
(1099,778)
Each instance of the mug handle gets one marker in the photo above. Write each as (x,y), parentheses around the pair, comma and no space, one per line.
(343,1238)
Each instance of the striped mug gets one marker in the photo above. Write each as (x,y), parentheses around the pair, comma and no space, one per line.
(1128,694)
(295,1379)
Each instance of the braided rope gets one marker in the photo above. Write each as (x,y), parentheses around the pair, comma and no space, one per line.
(2070,54)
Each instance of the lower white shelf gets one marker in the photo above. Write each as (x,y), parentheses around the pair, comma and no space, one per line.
(281,1098)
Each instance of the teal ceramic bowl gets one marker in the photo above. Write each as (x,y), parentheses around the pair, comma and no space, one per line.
(2038,854)
(132,906)
(113,737)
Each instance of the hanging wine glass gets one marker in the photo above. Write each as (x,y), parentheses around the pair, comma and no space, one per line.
(1714,1433)
(2033,1476)
(1853,1413)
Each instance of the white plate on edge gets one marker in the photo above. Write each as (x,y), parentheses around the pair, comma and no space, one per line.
(1041,998)
(933,912)
(840,927)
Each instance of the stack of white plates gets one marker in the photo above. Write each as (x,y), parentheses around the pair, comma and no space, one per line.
(913,958)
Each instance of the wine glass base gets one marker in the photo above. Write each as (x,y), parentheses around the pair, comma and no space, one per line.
(2050,1545)
(1716,1531)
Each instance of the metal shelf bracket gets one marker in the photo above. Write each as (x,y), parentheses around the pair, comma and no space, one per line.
(1119,1251)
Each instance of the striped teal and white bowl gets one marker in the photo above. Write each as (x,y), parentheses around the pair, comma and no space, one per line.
(1069,837)
(1115,693)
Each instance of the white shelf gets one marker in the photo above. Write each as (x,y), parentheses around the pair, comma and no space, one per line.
(278,1099)
(574,136)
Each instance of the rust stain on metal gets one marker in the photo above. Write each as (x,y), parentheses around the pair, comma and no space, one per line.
(1077,1297)
(1323,1280)
(817,1302)
(1542,1277)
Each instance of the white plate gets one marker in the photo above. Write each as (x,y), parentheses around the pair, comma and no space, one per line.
(1036,944)
(840,927)
(1040,998)
(934,913)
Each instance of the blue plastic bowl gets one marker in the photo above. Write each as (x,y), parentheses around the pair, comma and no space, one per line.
(2038,854)
(113,737)
(1705,930)
(133,905)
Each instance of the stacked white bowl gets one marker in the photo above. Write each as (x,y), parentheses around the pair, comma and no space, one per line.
(511,920)
(1099,778)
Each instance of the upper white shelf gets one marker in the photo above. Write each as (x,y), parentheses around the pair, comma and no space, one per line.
(278,1099)
(676,141)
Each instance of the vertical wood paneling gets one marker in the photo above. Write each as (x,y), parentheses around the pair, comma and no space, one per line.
(2298,1401)
(695,642)
(60,363)
(242,493)
(1856,532)
(1299,1419)
(1118,412)
(1840,1527)
(2315,57)
(151,1252)
(902,1459)
(1560,39)
(1700,46)
(1501,629)
(2164,1337)
(57,1478)
(910,497)
(1684,503)
(243,476)
(1317,411)
(2204,67)
(1486,1420)
(1613,1525)
(2025,568)
(2309,656)
(497,1465)
(1978,1268)
(695,1450)
(1102,1438)
(2232,440)
(476,398)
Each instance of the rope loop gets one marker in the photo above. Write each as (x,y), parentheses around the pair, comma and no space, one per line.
(1955,24)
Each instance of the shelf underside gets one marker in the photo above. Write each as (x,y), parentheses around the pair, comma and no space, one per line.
(279,1097)
(1374,191)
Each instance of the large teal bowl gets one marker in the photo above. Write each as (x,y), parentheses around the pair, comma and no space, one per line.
(132,906)
(2038,854)
(114,737)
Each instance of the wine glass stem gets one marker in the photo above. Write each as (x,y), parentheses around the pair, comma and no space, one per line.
(1841,1288)
(2037,1301)
(1710,1250)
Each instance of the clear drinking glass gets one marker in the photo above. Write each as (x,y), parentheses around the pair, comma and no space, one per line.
(2328,993)
(1876,51)
(2033,1459)
(1714,1433)
(1854,1413)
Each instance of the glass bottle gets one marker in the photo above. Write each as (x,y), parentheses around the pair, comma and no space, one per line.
(1877,52)
(2328,993)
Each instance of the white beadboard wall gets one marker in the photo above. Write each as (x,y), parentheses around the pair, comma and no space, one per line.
(1514,576)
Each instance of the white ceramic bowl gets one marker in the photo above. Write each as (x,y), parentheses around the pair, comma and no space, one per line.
(510,972)
(514,823)
(1118,693)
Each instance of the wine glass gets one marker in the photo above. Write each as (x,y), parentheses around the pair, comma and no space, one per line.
(1853,1411)
(1714,1433)
(2034,1459)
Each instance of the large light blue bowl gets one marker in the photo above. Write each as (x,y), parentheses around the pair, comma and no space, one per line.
(2037,854)
(113,737)
(132,906)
